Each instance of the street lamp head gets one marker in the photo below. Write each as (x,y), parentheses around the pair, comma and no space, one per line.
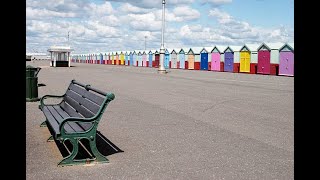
(163,1)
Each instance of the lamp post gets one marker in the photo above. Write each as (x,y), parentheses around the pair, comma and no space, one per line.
(161,69)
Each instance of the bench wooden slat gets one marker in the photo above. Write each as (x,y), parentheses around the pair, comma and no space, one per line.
(73,125)
(87,94)
(68,127)
(54,124)
(86,103)
(66,107)
(86,113)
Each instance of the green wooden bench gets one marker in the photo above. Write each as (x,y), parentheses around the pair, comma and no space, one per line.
(76,117)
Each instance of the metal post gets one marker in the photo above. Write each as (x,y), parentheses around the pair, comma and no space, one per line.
(162,50)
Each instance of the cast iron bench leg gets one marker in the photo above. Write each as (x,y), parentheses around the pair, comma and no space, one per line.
(69,160)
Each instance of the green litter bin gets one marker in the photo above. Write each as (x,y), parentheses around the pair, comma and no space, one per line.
(32,83)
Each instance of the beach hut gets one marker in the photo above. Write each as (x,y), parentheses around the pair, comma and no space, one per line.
(190,60)
(112,58)
(264,53)
(246,53)
(92,58)
(286,62)
(131,58)
(97,58)
(135,59)
(231,59)
(117,59)
(139,58)
(78,57)
(174,61)
(150,54)
(215,59)
(100,61)
(268,58)
(144,59)
(126,58)
(105,57)
(245,57)
(204,58)
(121,58)
(228,59)
(181,58)
(156,59)
(166,58)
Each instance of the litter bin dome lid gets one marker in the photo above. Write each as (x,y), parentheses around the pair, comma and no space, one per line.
(30,67)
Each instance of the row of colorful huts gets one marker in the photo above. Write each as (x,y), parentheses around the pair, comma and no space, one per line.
(265,58)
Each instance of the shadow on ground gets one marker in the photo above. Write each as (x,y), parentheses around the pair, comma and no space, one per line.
(104,145)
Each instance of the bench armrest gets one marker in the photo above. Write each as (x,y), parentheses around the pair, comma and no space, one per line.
(46,97)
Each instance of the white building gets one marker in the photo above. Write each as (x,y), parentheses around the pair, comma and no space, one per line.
(60,56)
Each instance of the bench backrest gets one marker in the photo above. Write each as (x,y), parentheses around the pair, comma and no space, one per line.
(82,100)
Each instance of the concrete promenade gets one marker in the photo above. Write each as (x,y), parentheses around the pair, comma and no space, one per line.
(186,124)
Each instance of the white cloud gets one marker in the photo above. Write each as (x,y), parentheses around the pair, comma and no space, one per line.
(178,14)
(216,2)
(185,31)
(186,13)
(96,10)
(154,3)
(44,13)
(143,22)
(130,9)
(111,20)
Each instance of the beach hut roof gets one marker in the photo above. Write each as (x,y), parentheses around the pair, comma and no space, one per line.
(194,50)
(286,45)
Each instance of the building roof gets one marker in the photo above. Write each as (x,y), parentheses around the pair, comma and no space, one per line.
(60,49)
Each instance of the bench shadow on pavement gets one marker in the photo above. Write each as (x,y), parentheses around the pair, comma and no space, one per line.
(104,145)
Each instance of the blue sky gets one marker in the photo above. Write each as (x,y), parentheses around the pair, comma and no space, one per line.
(118,25)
